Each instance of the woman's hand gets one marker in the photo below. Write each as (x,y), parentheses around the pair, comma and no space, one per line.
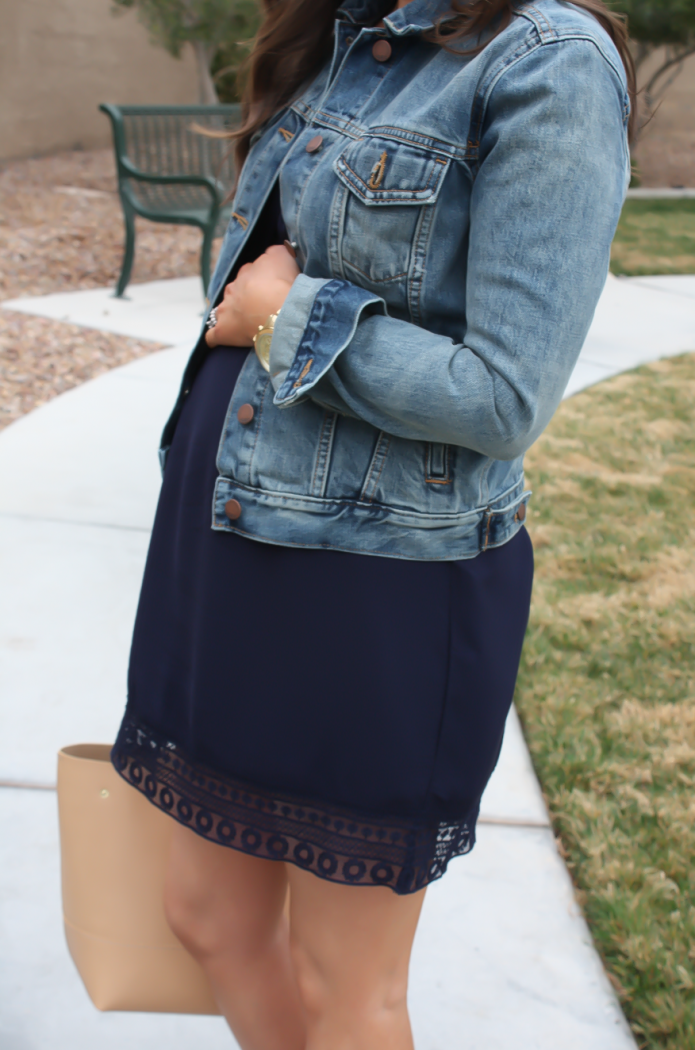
(260,289)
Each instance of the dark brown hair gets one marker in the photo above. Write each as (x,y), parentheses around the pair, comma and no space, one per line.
(296,39)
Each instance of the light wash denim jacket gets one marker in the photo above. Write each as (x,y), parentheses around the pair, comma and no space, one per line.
(454,228)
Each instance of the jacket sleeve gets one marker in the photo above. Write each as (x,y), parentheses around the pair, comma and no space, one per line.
(545,202)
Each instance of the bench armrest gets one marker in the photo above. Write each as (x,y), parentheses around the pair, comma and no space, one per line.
(216,190)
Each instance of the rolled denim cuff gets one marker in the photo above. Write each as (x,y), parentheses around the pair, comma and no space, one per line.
(316,323)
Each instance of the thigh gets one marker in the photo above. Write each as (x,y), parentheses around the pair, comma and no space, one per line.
(354,940)
(223,895)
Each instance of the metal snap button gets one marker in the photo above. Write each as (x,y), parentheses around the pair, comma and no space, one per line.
(245,414)
(313,145)
(232,509)
(382,50)
(349,40)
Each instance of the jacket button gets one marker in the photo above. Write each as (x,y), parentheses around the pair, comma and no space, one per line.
(232,509)
(313,145)
(245,414)
(382,51)
(521,512)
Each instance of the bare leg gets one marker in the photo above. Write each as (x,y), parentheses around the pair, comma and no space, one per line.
(351,950)
(227,909)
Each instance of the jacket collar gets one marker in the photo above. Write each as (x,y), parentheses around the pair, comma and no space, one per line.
(416,17)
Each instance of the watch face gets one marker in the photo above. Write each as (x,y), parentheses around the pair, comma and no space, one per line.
(262,346)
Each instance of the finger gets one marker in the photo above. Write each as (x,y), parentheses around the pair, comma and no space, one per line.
(210,337)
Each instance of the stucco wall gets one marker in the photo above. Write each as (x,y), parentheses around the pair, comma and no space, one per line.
(60,58)
(665,152)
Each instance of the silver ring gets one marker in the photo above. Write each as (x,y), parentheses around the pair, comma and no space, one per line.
(212,318)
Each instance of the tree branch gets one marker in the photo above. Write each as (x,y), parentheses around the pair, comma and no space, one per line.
(675,57)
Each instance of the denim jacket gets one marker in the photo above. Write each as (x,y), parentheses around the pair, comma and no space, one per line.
(453,217)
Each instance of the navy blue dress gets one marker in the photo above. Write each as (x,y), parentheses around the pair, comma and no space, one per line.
(339,711)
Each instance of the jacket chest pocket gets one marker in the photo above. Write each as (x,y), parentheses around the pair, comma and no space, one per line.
(390,191)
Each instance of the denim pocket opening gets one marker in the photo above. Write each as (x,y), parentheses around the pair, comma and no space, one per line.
(381,171)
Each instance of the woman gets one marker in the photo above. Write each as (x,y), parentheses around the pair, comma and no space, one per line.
(339,578)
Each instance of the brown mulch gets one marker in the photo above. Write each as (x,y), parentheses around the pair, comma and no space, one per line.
(40,358)
(61,229)
(54,237)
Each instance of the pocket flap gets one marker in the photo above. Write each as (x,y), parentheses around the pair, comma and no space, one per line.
(381,171)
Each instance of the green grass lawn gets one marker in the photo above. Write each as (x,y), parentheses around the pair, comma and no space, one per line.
(607,684)
(655,236)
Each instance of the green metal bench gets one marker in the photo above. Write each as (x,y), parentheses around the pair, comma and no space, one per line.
(170,172)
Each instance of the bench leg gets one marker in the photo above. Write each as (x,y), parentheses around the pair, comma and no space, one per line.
(129,250)
(205,253)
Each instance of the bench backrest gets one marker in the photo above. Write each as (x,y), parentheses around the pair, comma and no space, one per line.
(163,140)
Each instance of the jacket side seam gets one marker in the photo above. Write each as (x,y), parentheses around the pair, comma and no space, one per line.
(418,267)
(379,456)
(323,454)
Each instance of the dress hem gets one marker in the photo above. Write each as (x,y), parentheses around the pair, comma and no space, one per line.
(330,841)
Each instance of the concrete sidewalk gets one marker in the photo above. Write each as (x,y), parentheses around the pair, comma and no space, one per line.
(502,959)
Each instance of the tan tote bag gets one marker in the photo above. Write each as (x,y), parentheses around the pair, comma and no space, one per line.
(113,845)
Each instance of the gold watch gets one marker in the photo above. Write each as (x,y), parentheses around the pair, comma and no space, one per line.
(262,340)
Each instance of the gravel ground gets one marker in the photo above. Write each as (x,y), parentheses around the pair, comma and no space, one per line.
(40,358)
(61,230)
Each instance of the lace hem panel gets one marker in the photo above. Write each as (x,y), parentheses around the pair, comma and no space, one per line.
(329,841)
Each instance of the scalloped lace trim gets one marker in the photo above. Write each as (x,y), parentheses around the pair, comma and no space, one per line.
(329,841)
